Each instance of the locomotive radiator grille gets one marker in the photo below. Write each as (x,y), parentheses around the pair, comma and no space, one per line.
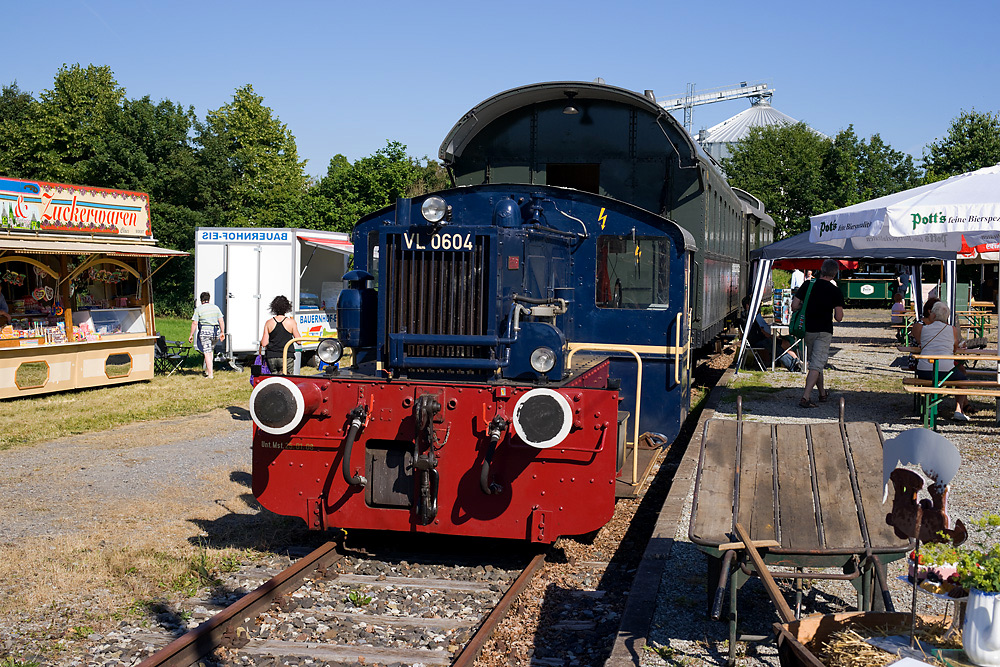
(439,293)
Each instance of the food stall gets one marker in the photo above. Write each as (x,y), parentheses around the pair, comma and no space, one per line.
(870,283)
(75,272)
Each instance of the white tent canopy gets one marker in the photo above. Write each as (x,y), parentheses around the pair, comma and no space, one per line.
(967,205)
(894,249)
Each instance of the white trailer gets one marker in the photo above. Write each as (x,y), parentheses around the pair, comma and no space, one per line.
(243,269)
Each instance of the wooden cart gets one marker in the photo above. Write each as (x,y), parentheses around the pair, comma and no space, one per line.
(814,490)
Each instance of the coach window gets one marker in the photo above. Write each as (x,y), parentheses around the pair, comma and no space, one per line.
(632,273)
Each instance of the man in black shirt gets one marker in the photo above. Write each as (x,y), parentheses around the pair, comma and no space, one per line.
(826,303)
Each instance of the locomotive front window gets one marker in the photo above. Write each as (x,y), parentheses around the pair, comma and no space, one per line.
(632,273)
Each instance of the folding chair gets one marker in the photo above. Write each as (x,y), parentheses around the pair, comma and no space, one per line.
(753,352)
(797,346)
(168,355)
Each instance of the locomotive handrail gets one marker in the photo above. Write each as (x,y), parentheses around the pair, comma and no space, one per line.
(677,345)
(609,347)
(284,352)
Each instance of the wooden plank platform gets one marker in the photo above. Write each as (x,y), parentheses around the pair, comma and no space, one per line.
(793,483)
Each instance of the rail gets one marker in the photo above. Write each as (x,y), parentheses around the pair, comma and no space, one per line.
(221,628)
(199,642)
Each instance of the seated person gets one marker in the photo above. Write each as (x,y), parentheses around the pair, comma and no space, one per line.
(759,335)
(898,308)
(940,337)
(924,319)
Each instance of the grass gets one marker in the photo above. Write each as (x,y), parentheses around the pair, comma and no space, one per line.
(139,559)
(131,563)
(25,421)
(174,328)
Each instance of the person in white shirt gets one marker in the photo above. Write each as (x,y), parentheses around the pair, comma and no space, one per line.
(797,279)
(939,337)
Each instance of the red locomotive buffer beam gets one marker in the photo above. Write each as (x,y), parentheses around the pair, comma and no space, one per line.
(417,452)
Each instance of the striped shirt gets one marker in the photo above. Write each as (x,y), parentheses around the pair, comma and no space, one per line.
(207,314)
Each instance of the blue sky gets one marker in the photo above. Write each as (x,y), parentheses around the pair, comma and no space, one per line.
(348,76)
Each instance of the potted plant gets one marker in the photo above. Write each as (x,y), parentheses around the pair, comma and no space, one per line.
(977,569)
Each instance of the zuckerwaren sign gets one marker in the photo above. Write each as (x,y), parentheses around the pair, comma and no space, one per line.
(41,206)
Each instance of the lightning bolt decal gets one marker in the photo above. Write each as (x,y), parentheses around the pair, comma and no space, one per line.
(603,217)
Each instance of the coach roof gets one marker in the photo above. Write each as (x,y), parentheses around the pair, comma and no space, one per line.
(487,111)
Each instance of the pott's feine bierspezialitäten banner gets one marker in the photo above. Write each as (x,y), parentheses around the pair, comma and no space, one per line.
(37,205)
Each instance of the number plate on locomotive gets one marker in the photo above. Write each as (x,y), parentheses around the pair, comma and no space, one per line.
(439,241)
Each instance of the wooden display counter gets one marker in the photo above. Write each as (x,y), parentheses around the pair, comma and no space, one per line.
(39,369)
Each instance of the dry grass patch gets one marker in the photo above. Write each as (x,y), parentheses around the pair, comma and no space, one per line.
(135,561)
(30,420)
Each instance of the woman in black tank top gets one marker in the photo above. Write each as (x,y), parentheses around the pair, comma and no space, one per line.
(277,332)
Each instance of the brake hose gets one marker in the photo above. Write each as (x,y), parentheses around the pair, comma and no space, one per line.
(497,428)
(357,416)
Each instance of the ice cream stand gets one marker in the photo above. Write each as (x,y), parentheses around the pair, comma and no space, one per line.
(75,273)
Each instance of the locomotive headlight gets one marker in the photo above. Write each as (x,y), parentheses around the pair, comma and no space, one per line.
(329,350)
(542,418)
(543,359)
(434,209)
(278,405)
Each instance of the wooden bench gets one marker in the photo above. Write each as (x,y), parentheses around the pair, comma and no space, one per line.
(932,392)
(916,385)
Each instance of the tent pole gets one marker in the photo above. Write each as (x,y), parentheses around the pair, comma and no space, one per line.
(918,290)
(951,273)
(756,296)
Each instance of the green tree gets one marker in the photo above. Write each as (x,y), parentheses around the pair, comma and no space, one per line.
(883,170)
(71,121)
(798,173)
(857,170)
(349,191)
(972,142)
(149,150)
(17,109)
(783,166)
(253,164)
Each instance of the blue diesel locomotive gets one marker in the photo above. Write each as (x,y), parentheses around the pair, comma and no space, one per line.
(509,335)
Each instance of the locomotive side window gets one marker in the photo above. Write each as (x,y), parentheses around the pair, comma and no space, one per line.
(632,274)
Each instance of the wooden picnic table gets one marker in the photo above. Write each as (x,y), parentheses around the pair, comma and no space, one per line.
(814,489)
(933,394)
(978,354)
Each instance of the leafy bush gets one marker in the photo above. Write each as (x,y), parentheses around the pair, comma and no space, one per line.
(977,563)
(978,566)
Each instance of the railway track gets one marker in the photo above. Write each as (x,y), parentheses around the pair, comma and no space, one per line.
(331,608)
(422,609)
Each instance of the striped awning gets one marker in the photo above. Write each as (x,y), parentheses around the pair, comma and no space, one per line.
(85,248)
(339,245)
